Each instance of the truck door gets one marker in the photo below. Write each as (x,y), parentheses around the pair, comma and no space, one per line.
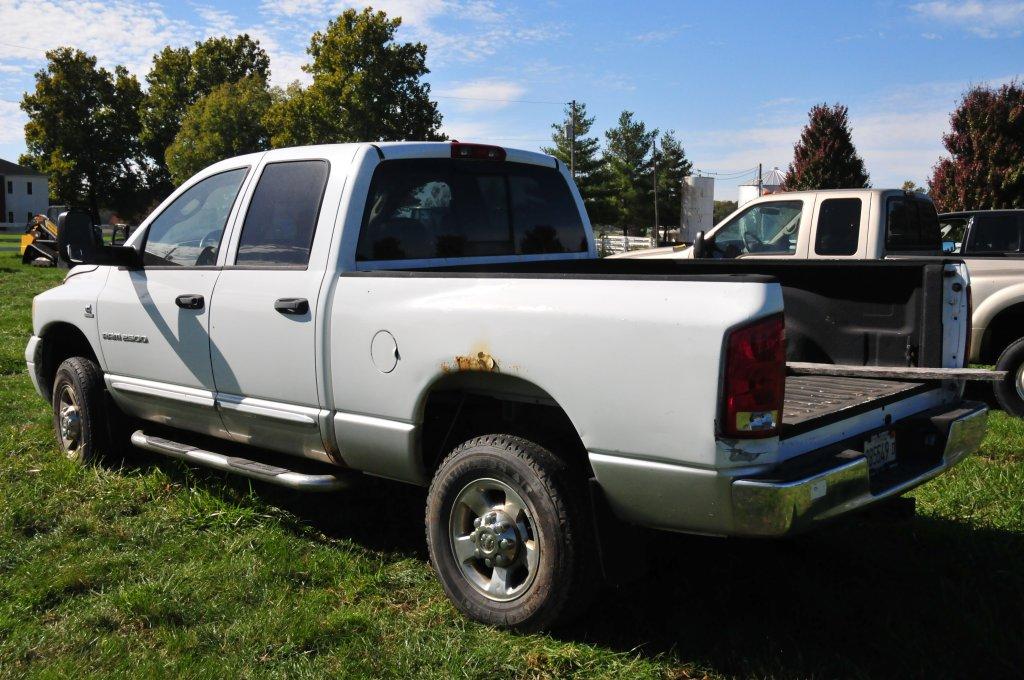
(154,321)
(264,318)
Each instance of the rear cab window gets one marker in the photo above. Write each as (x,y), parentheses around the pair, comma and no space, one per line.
(441,208)
(911,225)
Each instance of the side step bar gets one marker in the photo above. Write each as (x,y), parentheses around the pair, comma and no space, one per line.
(240,466)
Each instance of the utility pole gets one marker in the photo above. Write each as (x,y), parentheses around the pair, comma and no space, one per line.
(654,161)
(572,139)
(759,180)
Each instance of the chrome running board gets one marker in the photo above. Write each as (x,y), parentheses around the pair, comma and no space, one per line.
(241,466)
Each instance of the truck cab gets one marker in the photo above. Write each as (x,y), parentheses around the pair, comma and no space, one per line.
(845,224)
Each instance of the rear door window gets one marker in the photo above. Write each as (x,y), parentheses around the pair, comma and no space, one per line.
(838,227)
(912,225)
(995,234)
(453,208)
(281,219)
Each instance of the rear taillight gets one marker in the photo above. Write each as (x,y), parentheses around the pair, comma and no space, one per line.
(755,379)
(478,152)
(970,326)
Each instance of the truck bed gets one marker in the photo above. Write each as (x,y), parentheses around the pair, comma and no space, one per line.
(816,400)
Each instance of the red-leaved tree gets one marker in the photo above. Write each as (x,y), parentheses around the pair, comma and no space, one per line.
(824,157)
(985,169)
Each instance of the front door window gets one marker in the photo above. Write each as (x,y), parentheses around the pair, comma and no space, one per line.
(764,229)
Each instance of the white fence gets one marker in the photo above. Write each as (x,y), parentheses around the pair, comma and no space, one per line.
(612,245)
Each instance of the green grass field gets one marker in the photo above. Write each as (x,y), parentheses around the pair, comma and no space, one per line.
(154,568)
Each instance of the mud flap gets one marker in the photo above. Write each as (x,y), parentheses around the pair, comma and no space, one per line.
(622,547)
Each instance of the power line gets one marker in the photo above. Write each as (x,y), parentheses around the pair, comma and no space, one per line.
(27,48)
(495,99)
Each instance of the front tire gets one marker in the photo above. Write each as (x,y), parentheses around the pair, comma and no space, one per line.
(79,413)
(1010,391)
(508,533)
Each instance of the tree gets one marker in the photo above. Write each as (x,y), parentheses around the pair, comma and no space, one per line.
(626,153)
(178,79)
(985,169)
(83,130)
(590,172)
(227,122)
(673,168)
(824,157)
(366,87)
(911,185)
(723,209)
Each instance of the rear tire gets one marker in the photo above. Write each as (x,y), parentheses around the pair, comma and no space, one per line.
(508,533)
(86,426)
(1010,391)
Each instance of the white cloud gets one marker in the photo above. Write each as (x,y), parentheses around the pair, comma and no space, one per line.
(116,31)
(984,19)
(12,122)
(483,95)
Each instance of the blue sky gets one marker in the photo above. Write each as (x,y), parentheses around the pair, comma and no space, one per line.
(733,79)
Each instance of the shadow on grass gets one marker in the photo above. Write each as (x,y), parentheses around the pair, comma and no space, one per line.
(866,597)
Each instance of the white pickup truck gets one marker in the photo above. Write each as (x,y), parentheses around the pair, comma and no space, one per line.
(435,313)
(875,224)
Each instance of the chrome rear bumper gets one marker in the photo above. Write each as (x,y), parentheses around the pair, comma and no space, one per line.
(762,507)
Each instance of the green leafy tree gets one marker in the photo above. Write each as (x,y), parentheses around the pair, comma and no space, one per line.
(83,131)
(911,185)
(627,154)
(366,87)
(227,122)
(673,168)
(178,79)
(985,168)
(590,171)
(824,157)
(723,209)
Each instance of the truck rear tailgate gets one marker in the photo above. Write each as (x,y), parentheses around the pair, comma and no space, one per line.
(816,400)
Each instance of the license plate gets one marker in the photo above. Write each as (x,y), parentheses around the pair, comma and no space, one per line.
(880,450)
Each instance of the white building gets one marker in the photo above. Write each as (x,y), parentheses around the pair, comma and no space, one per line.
(771,183)
(24,193)
(698,206)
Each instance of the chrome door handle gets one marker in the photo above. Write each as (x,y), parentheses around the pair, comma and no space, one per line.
(295,306)
(189,301)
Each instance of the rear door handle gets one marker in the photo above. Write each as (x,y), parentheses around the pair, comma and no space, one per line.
(189,301)
(292,305)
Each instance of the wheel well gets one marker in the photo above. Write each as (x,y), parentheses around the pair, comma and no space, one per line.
(454,413)
(1007,327)
(60,341)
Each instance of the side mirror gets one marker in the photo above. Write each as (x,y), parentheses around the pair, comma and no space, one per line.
(76,239)
(79,242)
(699,246)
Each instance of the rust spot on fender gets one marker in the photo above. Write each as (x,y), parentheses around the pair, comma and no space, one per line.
(481,361)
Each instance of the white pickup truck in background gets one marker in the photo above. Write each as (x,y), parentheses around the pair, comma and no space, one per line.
(435,313)
(875,224)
